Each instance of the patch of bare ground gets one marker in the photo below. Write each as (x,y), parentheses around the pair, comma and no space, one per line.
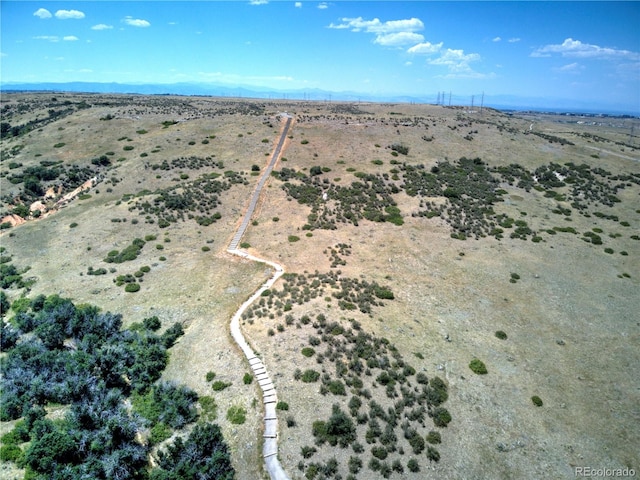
(570,316)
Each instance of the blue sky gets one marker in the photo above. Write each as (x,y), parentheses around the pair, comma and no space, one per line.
(571,51)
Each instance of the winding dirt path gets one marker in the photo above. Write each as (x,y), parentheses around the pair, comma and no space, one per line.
(269,396)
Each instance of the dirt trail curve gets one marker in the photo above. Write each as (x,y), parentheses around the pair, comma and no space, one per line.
(269,396)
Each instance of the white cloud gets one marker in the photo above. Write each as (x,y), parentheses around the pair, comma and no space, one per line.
(2,54)
(49,38)
(497,39)
(378,27)
(67,14)
(573,68)
(392,33)
(70,38)
(577,49)
(426,48)
(398,39)
(298,4)
(456,60)
(102,26)
(136,22)
(42,13)
(258,2)
(513,40)
(323,5)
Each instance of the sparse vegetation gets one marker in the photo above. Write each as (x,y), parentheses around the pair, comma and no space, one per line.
(478,366)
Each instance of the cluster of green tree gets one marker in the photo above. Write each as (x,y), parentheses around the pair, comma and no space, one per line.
(551,138)
(336,259)
(129,253)
(36,179)
(395,419)
(11,276)
(352,293)
(190,200)
(369,198)
(78,357)
(191,163)
(7,130)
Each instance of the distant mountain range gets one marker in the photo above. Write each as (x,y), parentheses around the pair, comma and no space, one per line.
(500,102)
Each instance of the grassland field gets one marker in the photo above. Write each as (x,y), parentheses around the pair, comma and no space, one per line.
(568,302)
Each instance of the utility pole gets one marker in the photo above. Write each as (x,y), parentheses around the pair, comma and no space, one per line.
(438,101)
(473,97)
(449,97)
(482,103)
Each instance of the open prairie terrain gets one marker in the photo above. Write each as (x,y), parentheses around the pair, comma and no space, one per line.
(410,234)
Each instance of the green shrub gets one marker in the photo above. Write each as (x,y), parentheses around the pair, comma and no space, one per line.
(245,245)
(434,437)
(237,415)
(132,287)
(10,453)
(307,451)
(220,385)
(478,366)
(205,249)
(159,432)
(537,401)
(209,408)
(128,147)
(338,430)
(210,376)
(247,379)
(501,335)
(59,145)
(336,387)
(355,464)
(608,250)
(308,351)
(379,452)
(152,323)
(441,417)
(433,454)
(73,225)
(282,405)
(310,376)
(293,238)
(413,465)
(417,443)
